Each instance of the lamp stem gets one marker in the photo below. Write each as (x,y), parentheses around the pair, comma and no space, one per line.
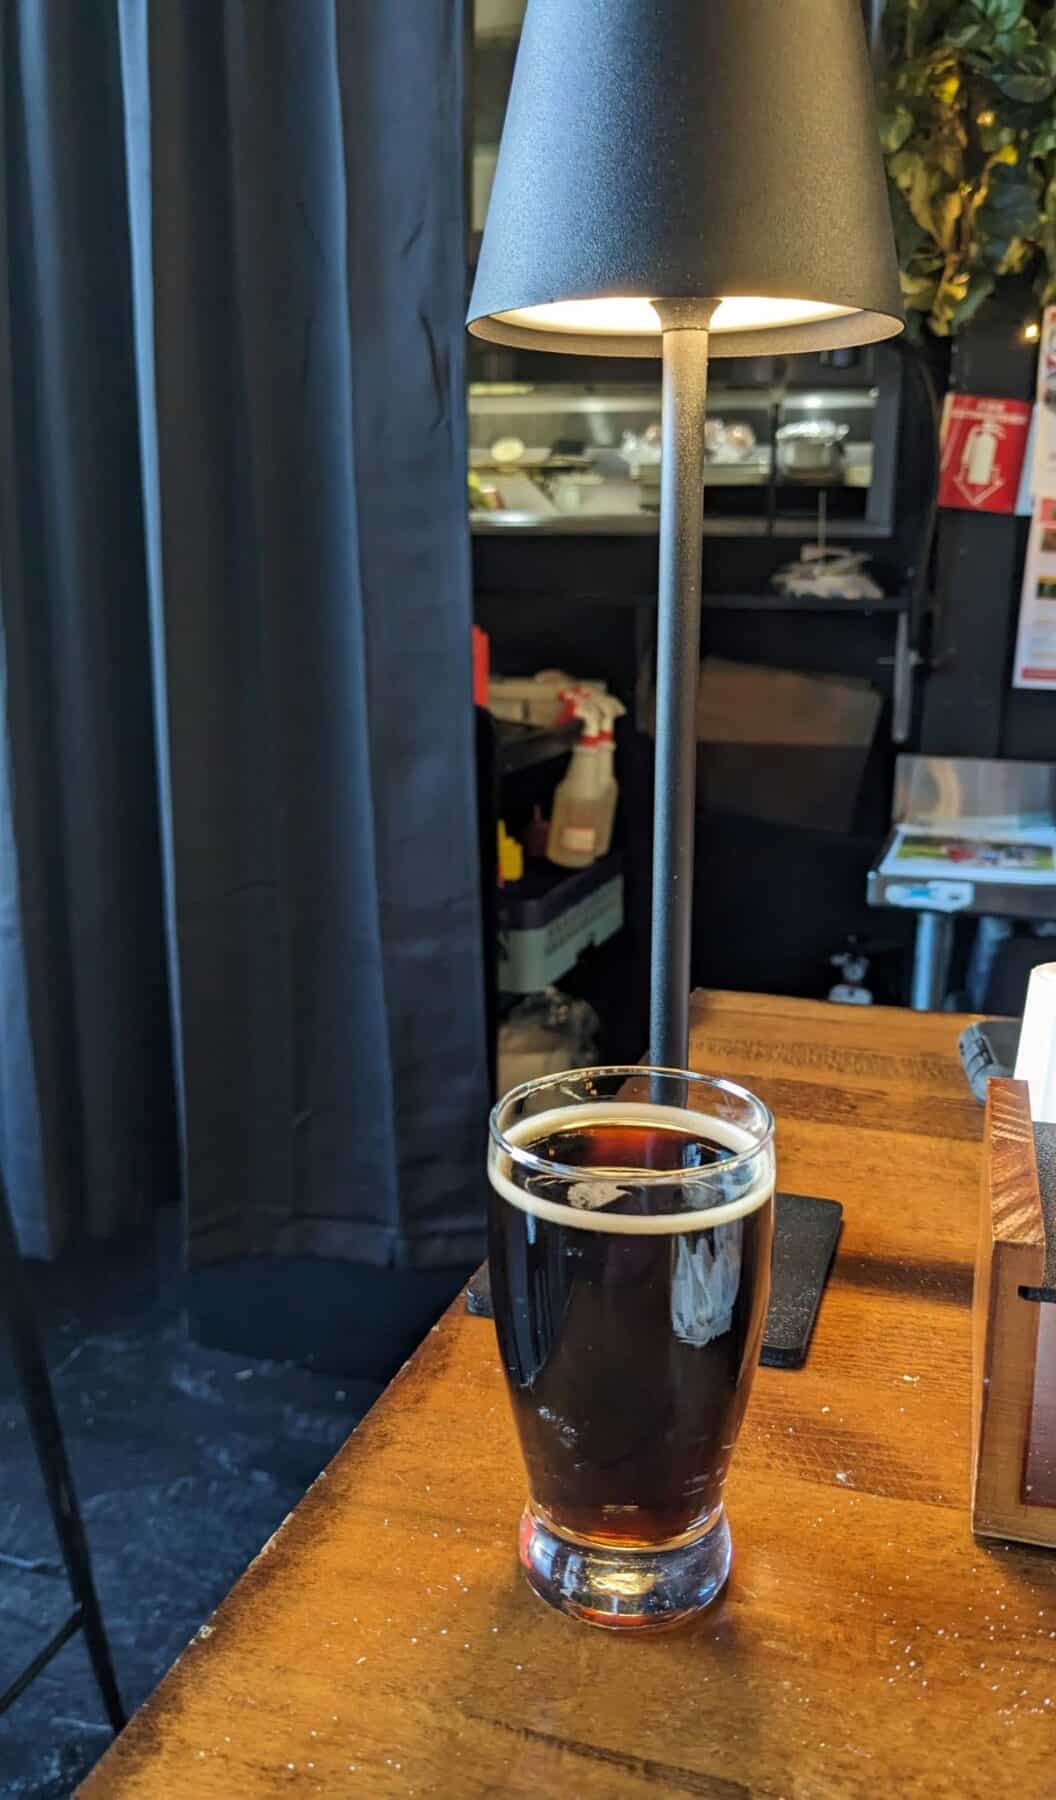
(685,386)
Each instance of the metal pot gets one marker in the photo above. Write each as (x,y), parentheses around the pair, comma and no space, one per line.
(811,449)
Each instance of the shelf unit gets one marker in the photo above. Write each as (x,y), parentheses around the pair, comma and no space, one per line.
(780,603)
(775,603)
(520,746)
(576,477)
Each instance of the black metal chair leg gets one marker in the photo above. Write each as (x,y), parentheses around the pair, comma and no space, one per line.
(32,1372)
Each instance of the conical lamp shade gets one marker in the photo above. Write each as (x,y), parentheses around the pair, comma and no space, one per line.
(686,150)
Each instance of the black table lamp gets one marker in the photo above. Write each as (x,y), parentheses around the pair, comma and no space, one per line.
(677,176)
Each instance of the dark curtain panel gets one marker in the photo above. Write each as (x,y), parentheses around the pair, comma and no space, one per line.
(271,620)
(87,1125)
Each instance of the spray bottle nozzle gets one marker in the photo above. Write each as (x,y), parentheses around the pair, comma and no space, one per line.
(584,704)
(611,709)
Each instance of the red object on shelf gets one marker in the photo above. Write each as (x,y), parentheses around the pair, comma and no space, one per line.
(983,445)
(481,665)
(535,833)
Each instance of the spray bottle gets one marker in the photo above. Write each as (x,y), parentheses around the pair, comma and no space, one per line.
(611,710)
(578,801)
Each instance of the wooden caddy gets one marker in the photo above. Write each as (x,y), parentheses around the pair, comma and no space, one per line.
(1013,1334)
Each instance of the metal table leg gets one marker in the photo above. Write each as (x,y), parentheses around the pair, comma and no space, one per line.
(931,961)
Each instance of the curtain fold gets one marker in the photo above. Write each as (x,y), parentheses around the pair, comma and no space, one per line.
(82,943)
(290,287)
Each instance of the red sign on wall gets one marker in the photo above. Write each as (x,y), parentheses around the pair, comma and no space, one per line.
(983,445)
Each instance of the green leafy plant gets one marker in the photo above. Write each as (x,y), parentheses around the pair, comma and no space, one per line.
(968,126)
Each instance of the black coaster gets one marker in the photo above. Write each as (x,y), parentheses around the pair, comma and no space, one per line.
(805,1234)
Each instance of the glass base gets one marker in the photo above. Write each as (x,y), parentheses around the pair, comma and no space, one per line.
(622,1589)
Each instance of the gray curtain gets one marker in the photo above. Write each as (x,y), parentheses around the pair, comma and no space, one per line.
(235,608)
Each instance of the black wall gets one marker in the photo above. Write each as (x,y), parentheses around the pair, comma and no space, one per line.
(970,707)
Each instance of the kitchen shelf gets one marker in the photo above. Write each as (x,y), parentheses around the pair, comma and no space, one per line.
(830,603)
(533,399)
(645,524)
(605,490)
(523,746)
(772,603)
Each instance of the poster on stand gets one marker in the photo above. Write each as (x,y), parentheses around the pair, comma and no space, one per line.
(1022,855)
(1025,497)
(1043,465)
(1035,660)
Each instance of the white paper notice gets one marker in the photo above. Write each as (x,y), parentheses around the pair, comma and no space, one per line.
(955,854)
(1035,661)
(1043,479)
(1025,497)
(1036,1056)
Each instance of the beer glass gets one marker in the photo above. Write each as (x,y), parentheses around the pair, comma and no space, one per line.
(631,1225)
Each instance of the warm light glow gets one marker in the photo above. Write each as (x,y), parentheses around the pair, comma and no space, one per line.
(629,317)
(621,318)
(747,313)
(1031,332)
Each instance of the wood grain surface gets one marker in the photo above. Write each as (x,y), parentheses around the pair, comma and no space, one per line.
(1011,1441)
(385,1643)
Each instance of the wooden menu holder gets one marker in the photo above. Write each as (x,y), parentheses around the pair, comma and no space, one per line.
(1014,1328)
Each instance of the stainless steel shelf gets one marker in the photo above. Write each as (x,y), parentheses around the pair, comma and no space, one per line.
(773,603)
(508,398)
(645,525)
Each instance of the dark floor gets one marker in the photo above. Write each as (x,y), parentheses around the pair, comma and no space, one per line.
(185,1459)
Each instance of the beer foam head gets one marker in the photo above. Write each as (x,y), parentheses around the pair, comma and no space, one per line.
(592,1192)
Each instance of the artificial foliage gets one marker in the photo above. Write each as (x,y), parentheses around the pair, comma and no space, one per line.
(968,126)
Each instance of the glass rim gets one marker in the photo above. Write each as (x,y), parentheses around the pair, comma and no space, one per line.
(680,1178)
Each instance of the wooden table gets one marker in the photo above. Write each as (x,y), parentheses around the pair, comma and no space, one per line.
(385,1643)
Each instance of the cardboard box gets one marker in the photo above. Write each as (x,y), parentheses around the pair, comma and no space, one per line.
(782,746)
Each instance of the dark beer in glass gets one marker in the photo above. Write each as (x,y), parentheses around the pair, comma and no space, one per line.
(630,1239)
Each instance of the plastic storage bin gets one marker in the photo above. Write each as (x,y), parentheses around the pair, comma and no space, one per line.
(547,921)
